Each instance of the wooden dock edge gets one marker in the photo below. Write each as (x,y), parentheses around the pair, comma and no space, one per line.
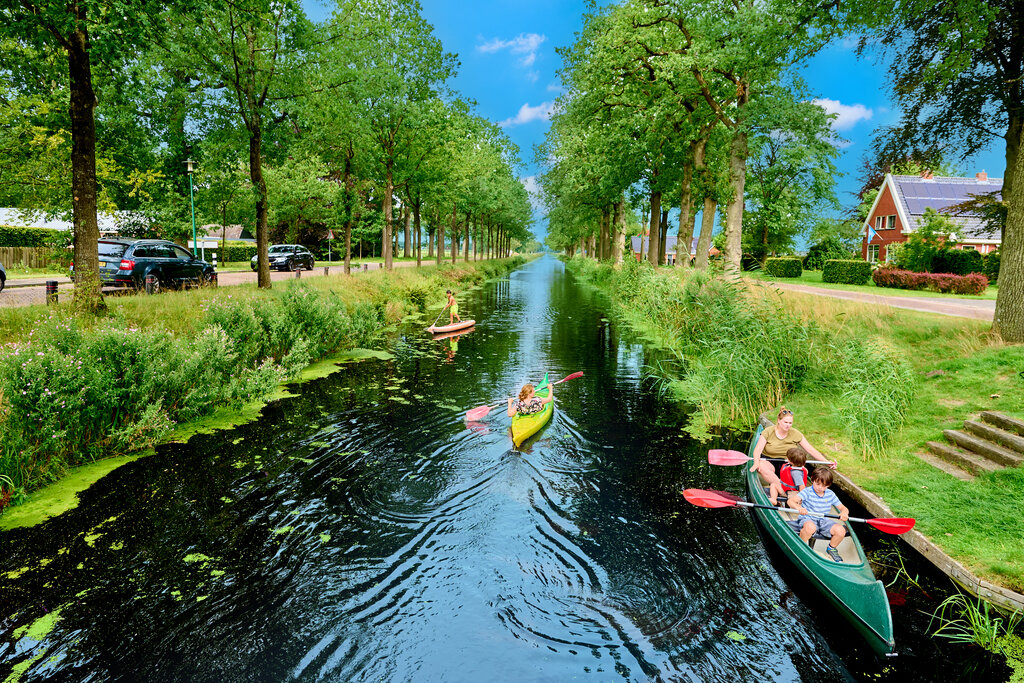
(1003,598)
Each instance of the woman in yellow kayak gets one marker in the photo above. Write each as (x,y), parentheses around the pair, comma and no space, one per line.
(529,402)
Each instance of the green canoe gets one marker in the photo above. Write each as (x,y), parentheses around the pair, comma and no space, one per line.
(850,586)
(525,426)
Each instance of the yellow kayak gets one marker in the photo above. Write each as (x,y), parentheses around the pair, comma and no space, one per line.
(525,426)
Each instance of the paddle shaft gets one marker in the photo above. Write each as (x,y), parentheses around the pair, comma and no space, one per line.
(809,513)
(496,405)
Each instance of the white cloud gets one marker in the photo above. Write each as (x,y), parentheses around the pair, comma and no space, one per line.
(535,192)
(542,112)
(525,44)
(847,115)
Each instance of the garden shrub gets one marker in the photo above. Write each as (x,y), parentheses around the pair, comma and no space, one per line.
(975,283)
(992,266)
(11,236)
(958,262)
(828,249)
(785,266)
(846,271)
(237,252)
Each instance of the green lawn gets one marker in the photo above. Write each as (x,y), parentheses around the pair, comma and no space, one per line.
(813,278)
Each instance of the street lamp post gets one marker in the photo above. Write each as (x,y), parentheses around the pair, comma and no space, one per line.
(192,201)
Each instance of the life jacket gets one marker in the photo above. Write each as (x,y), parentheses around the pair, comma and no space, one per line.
(786,476)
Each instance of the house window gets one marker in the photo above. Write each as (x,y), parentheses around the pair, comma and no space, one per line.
(970,247)
(872,253)
(892,223)
(880,223)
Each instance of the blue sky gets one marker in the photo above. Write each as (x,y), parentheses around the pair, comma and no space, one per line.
(509,67)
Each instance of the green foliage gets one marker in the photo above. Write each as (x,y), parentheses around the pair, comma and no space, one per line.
(878,387)
(992,266)
(851,271)
(11,236)
(924,244)
(237,252)
(783,267)
(972,621)
(830,247)
(958,262)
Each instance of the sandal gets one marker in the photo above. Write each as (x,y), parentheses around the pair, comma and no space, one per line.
(833,553)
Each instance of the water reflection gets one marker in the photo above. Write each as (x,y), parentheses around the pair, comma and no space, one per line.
(366,531)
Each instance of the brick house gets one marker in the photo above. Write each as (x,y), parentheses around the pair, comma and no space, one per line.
(901,202)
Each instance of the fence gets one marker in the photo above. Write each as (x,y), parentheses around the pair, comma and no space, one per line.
(30,257)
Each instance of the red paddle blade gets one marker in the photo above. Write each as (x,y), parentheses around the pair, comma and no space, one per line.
(710,499)
(720,456)
(572,376)
(893,525)
(477,413)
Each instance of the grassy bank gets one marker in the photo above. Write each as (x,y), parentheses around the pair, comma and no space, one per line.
(869,385)
(74,389)
(812,278)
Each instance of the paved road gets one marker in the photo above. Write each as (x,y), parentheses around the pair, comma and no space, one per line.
(33,291)
(979,309)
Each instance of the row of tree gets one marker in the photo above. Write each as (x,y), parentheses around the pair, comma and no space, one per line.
(697,104)
(336,124)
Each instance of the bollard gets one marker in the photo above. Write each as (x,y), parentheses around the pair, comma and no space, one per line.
(152,284)
(366,266)
(298,273)
(326,270)
(51,292)
(215,260)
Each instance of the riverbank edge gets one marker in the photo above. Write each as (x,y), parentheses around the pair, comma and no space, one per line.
(62,495)
(1004,598)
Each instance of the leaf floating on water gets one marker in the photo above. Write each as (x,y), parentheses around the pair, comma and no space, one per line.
(196,557)
(324,538)
(282,530)
(733,635)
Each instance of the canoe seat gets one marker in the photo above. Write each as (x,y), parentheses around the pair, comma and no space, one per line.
(847,550)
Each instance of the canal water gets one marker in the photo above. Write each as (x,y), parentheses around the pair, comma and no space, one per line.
(362,531)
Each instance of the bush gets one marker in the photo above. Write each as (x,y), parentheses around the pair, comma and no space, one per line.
(958,262)
(828,249)
(26,237)
(992,266)
(975,283)
(787,266)
(846,271)
(236,252)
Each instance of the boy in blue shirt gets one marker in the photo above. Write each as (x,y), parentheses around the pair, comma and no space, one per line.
(818,499)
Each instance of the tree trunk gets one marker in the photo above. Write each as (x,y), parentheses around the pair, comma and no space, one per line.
(88,295)
(465,241)
(684,238)
(260,186)
(619,223)
(654,249)
(707,226)
(734,209)
(419,235)
(603,252)
(663,238)
(439,242)
(455,230)
(408,233)
(1008,322)
(349,207)
(1014,130)
(385,242)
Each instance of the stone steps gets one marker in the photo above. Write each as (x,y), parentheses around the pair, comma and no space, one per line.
(1004,422)
(969,463)
(943,463)
(1008,440)
(983,447)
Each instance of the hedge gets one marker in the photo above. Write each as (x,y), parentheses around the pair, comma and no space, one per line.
(11,236)
(958,262)
(992,266)
(235,252)
(975,283)
(848,272)
(786,266)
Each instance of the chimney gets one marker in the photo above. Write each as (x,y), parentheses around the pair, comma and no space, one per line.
(981,177)
(926,174)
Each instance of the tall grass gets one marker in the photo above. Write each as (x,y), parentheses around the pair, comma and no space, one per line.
(973,622)
(743,351)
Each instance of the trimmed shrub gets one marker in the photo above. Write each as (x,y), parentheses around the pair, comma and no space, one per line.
(846,271)
(975,283)
(787,266)
(235,252)
(958,262)
(992,266)
(828,249)
(26,237)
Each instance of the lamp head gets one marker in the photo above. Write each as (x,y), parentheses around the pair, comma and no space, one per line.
(188,165)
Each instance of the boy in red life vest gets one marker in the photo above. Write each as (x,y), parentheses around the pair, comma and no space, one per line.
(792,478)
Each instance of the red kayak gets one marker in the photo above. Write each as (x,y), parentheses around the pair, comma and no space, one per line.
(464,325)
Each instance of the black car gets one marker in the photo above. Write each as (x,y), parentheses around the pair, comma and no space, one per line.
(127,263)
(287,257)
(3,277)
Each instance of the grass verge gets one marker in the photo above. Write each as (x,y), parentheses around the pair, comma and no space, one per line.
(812,278)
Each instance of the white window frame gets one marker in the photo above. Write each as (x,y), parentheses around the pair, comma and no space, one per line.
(891,222)
(873,253)
(879,223)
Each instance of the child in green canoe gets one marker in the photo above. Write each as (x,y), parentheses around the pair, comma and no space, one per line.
(453,308)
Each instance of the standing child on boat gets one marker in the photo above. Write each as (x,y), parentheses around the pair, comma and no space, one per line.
(529,402)
(792,478)
(453,308)
(819,500)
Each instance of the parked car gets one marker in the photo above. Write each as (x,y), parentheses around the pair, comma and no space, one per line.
(3,277)
(286,257)
(128,262)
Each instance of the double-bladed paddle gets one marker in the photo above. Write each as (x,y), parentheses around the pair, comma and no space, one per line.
(720,456)
(721,499)
(481,412)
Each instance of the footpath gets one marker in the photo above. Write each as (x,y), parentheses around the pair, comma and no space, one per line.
(978,309)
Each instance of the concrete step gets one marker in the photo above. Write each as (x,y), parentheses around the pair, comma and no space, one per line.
(984,448)
(1001,437)
(947,467)
(965,460)
(1003,421)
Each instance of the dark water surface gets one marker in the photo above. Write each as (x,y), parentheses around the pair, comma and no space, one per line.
(361,532)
